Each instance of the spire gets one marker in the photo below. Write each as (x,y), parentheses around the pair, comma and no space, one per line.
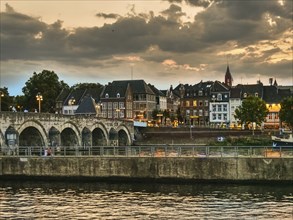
(228,77)
(275,83)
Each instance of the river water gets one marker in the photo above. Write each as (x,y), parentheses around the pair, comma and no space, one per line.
(104,200)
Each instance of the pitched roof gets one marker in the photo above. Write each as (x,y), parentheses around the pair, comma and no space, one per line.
(112,89)
(86,106)
(251,89)
(63,95)
(219,87)
(137,86)
(274,95)
(76,94)
(235,93)
(95,93)
(156,91)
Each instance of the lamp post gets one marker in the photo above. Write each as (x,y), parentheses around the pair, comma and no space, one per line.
(161,118)
(39,98)
(1,95)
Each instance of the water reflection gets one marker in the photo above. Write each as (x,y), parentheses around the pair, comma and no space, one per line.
(82,200)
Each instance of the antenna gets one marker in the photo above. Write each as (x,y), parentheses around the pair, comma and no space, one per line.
(131,65)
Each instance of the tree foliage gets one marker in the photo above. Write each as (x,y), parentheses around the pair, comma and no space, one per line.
(286,112)
(86,86)
(253,109)
(154,114)
(48,85)
(6,99)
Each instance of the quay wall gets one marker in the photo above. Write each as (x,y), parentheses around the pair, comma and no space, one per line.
(153,168)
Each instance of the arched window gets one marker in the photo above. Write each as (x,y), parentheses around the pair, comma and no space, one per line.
(256,94)
(219,97)
(118,95)
(107,95)
(245,95)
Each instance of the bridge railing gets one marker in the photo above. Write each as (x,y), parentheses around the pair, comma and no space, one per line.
(150,151)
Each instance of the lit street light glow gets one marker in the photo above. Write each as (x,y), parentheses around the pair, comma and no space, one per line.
(39,98)
(1,95)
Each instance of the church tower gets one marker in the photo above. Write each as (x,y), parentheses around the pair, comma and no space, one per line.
(228,77)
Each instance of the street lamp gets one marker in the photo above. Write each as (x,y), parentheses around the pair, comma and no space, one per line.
(1,95)
(39,98)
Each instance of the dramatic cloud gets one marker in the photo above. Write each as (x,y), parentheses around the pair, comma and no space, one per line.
(255,36)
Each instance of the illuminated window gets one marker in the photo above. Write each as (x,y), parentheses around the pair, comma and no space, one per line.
(187,103)
(194,102)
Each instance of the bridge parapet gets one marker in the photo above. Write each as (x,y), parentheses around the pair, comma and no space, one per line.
(45,129)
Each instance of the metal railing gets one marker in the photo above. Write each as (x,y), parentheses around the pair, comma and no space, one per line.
(150,151)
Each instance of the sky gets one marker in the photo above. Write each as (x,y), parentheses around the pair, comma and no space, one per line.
(163,42)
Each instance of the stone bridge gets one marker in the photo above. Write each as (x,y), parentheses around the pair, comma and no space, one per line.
(44,129)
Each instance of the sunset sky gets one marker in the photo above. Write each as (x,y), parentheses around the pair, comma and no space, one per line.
(163,42)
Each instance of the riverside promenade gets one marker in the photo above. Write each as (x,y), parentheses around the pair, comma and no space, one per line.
(156,163)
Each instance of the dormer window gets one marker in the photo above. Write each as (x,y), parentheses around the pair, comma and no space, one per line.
(107,95)
(256,94)
(187,94)
(118,95)
(245,95)
(200,92)
(213,97)
(219,97)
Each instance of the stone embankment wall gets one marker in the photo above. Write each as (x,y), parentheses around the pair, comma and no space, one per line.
(177,169)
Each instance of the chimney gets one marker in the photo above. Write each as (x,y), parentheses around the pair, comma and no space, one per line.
(271,81)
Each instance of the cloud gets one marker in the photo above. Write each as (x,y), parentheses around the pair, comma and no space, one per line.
(256,36)
(199,3)
(108,16)
(171,64)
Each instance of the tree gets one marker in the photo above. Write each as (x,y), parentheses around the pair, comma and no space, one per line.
(252,110)
(87,86)
(6,99)
(179,115)
(286,112)
(154,114)
(48,85)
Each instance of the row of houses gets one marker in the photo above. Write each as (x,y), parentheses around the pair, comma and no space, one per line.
(204,103)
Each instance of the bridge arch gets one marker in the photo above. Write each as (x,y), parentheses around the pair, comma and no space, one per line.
(54,136)
(70,134)
(124,136)
(36,127)
(100,136)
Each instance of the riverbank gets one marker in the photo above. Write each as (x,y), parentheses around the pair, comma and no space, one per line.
(160,169)
(202,136)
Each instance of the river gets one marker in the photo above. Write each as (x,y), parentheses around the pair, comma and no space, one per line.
(105,200)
